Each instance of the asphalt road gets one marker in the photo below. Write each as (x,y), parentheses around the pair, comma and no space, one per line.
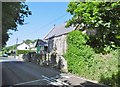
(20,73)
(16,72)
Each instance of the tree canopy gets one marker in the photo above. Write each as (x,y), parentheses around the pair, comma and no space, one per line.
(13,14)
(28,41)
(104,17)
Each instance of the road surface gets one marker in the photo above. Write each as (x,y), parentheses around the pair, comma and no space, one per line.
(16,72)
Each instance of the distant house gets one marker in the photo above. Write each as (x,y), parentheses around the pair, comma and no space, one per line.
(57,38)
(41,46)
(23,46)
(32,46)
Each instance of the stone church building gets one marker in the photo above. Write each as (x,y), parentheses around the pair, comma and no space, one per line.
(56,38)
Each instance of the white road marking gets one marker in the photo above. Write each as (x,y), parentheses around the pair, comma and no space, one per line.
(29,82)
(55,81)
(59,81)
(66,77)
(50,80)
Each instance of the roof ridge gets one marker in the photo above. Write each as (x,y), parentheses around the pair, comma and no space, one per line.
(58,30)
(49,32)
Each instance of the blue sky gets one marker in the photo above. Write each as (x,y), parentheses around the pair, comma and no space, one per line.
(44,15)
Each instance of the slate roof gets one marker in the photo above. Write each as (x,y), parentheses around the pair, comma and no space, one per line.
(40,43)
(59,30)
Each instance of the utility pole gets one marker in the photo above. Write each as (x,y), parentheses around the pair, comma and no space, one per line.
(16,47)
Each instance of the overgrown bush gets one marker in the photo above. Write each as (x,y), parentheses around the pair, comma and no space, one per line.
(111,73)
(79,55)
(23,51)
(83,61)
(112,81)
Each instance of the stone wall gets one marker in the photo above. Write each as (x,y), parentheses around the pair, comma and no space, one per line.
(52,60)
(59,43)
(57,46)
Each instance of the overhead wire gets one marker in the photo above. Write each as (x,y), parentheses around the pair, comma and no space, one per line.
(42,27)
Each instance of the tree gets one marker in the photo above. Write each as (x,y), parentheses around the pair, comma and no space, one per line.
(104,17)
(28,41)
(13,14)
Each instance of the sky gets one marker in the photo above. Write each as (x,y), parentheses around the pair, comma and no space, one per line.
(44,16)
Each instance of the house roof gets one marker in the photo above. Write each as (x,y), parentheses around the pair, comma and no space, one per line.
(40,43)
(59,30)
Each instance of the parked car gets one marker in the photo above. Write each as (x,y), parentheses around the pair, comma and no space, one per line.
(5,55)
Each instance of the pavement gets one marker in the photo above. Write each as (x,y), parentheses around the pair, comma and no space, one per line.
(78,81)
(16,72)
(10,58)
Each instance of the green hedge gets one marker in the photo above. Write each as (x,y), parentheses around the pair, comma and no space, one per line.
(79,55)
(83,61)
(112,81)
(23,51)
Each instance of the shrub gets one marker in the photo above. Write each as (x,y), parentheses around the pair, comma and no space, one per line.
(79,55)
(83,61)
(23,51)
(112,81)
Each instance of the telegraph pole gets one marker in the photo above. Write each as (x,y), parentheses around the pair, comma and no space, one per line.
(16,47)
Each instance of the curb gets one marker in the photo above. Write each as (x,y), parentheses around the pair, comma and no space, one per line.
(82,78)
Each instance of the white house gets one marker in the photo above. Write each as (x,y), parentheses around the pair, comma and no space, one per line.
(23,46)
(32,46)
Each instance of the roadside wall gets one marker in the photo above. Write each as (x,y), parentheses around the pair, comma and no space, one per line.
(55,61)
(59,43)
